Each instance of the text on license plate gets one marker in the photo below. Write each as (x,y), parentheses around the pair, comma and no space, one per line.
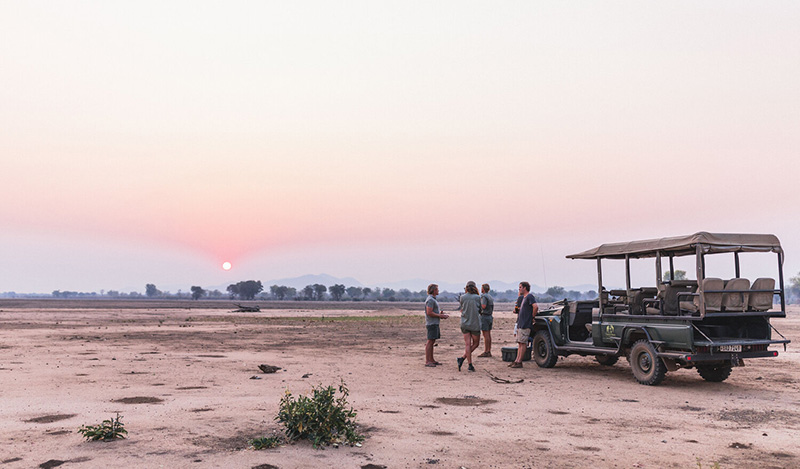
(730,348)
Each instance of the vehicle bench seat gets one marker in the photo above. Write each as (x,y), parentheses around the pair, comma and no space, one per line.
(581,312)
(761,301)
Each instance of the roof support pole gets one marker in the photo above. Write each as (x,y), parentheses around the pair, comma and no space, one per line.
(600,283)
(658,267)
(701,274)
(671,268)
(780,279)
(628,273)
(736,262)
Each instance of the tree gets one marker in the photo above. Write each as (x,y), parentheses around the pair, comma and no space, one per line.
(679,275)
(279,291)
(556,292)
(246,290)
(388,294)
(197,292)
(574,295)
(366,292)
(794,286)
(151,290)
(308,292)
(320,290)
(354,292)
(337,290)
(250,288)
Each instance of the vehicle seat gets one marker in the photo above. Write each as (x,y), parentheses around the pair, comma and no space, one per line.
(762,301)
(650,310)
(637,298)
(580,313)
(671,297)
(736,301)
(713,300)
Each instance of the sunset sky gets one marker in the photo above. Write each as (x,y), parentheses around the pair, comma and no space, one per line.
(148,142)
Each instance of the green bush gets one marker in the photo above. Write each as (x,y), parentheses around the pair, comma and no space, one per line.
(266,442)
(106,431)
(323,418)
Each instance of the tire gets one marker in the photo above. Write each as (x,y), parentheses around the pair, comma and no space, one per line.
(606,360)
(715,373)
(647,367)
(543,351)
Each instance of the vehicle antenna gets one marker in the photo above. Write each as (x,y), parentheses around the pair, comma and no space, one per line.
(544,271)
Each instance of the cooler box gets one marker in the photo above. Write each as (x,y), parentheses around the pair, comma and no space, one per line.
(510,353)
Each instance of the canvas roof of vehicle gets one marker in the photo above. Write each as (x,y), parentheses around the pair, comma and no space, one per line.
(684,246)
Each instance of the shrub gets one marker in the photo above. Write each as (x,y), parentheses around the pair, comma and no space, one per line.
(106,431)
(266,442)
(323,418)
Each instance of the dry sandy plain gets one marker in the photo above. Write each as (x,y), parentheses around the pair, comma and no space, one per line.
(180,374)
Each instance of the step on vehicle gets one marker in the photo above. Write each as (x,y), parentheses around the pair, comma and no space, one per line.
(708,323)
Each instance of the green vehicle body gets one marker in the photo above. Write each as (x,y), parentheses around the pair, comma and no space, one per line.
(657,334)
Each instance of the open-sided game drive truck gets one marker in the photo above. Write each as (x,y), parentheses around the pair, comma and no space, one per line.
(708,323)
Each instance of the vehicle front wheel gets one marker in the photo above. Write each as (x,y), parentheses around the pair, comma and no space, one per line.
(715,373)
(543,351)
(647,367)
(606,360)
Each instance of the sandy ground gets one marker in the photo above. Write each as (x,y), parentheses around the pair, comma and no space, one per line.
(180,374)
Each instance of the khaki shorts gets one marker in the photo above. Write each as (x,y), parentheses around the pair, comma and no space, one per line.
(523,335)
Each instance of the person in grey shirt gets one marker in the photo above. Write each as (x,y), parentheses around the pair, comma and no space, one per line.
(527,311)
(432,316)
(470,305)
(487,307)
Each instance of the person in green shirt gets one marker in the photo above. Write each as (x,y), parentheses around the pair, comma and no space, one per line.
(470,305)
(432,316)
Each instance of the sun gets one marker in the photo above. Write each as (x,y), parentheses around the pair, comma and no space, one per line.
(226,265)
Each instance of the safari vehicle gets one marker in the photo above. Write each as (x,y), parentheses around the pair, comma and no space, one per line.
(709,324)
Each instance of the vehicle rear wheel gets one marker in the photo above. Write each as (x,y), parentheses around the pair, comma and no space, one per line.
(606,360)
(647,367)
(715,373)
(543,351)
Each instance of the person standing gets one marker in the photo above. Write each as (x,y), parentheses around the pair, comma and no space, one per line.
(432,316)
(527,310)
(487,308)
(470,305)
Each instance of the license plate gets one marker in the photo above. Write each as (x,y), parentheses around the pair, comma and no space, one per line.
(730,348)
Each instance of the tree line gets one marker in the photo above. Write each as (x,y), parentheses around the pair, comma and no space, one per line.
(254,289)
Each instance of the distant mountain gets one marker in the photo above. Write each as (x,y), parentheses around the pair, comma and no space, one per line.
(418,284)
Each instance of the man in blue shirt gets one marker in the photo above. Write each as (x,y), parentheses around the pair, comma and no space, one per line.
(527,310)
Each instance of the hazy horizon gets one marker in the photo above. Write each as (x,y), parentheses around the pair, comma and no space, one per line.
(151,142)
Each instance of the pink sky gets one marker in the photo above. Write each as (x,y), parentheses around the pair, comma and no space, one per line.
(447,141)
